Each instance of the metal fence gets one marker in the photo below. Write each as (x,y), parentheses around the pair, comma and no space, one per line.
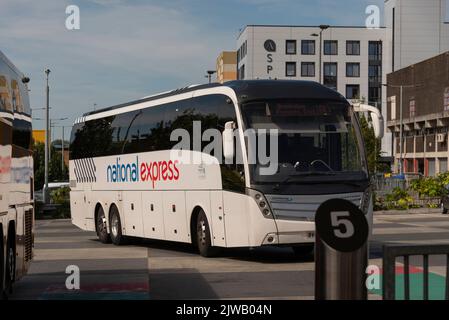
(391,252)
(384,185)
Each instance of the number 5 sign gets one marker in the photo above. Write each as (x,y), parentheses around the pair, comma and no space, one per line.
(341,225)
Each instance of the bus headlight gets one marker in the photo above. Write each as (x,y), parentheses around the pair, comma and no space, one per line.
(365,201)
(262,203)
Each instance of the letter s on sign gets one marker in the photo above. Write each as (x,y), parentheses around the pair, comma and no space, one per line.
(338,220)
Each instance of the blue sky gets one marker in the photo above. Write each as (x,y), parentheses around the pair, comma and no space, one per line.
(129,49)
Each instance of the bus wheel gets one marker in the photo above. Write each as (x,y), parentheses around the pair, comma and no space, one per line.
(10,270)
(117,237)
(203,237)
(101,227)
(304,250)
(2,266)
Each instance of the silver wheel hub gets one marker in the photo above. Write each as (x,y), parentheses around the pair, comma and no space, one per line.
(114,225)
(202,232)
(102,224)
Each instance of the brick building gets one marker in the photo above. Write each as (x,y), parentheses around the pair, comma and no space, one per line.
(425,113)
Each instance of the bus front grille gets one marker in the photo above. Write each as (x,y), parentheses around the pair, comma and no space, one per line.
(303,207)
(28,235)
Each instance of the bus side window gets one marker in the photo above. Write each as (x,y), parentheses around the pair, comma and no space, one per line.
(5,94)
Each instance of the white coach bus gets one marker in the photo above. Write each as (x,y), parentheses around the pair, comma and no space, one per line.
(126,183)
(16,177)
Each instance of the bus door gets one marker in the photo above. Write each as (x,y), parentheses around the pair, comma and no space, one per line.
(218,218)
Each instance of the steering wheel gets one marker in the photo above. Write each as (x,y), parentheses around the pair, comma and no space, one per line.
(312,164)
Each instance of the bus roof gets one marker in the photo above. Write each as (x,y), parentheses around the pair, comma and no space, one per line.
(247,90)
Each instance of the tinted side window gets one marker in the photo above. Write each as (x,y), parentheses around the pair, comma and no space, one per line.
(21,135)
(92,139)
(232,175)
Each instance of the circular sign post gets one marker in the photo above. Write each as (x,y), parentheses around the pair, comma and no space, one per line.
(341,251)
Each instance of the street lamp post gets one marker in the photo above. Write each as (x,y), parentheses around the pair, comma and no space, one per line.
(47,136)
(401,92)
(322,28)
(209,75)
(62,151)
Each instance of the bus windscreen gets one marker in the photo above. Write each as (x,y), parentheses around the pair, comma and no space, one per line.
(316,140)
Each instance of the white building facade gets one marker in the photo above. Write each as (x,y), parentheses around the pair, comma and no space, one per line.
(353,59)
(416,30)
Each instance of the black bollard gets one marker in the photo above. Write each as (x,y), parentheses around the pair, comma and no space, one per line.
(341,251)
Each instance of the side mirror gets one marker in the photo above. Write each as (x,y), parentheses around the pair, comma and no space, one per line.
(228,140)
(376,117)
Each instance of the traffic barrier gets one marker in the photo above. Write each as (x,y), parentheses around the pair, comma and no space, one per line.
(392,252)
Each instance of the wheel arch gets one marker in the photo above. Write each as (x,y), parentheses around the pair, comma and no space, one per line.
(11,231)
(193,221)
(97,208)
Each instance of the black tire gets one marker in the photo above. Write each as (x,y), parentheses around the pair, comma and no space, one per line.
(303,250)
(115,226)
(203,238)
(445,210)
(102,227)
(10,267)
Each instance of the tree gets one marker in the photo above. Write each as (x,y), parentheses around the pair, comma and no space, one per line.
(372,147)
(55,172)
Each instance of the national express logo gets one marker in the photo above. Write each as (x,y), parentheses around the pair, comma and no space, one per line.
(145,171)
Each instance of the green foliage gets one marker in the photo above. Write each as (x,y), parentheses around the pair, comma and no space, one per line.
(429,191)
(55,172)
(399,199)
(61,197)
(430,187)
(372,147)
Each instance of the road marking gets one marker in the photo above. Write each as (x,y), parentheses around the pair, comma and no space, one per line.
(402,230)
(90,253)
(221,265)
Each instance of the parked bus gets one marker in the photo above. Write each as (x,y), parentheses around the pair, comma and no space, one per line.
(16,177)
(125,181)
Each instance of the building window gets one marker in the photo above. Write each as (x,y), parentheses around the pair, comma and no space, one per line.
(330,75)
(446,12)
(412,108)
(290,69)
(353,48)
(241,73)
(308,47)
(374,96)
(352,91)
(330,47)
(353,70)
(307,69)
(375,50)
(446,99)
(375,73)
(290,47)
